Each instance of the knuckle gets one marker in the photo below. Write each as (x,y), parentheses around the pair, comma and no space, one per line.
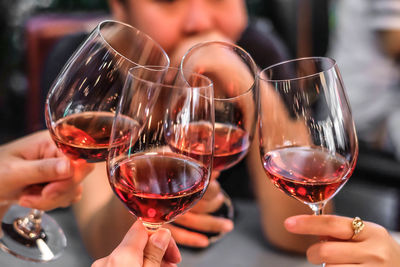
(323,252)
(11,166)
(380,255)
(317,253)
(42,169)
(311,256)
(153,257)
(381,231)
(113,260)
(332,221)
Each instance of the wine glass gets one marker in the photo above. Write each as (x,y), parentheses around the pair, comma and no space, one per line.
(79,111)
(234,75)
(308,142)
(165,165)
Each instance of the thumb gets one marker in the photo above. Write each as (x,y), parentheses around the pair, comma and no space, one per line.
(44,170)
(156,247)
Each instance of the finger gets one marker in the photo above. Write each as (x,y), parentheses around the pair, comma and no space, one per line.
(337,253)
(60,193)
(63,199)
(50,150)
(325,225)
(43,170)
(208,206)
(188,238)
(156,247)
(212,191)
(205,223)
(136,237)
(172,254)
(215,175)
(81,169)
(55,189)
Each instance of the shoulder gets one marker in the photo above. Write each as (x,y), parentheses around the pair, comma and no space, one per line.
(260,40)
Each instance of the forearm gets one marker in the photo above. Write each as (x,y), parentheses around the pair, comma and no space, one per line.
(102,219)
(105,229)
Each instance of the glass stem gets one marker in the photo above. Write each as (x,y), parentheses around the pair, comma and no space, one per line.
(318,209)
(30,226)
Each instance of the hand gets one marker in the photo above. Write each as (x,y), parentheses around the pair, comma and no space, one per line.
(36,174)
(137,249)
(373,246)
(215,61)
(181,49)
(199,218)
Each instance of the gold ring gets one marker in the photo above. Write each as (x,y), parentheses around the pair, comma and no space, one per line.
(358,225)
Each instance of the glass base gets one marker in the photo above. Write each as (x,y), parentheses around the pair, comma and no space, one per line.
(48,246)
(152,227)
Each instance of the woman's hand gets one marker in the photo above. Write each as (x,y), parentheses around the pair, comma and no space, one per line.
(199,218)
(372,247)
(138,249)
(37,175)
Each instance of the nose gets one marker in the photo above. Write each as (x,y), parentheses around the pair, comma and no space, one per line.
(199,17)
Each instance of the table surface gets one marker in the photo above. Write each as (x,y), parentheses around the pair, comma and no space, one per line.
(244,247)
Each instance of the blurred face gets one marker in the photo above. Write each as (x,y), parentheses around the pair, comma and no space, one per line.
(170,22)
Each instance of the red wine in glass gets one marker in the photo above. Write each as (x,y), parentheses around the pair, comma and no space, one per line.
(308,174)
(231,144)
(155,183)
(86,135)
(157,187)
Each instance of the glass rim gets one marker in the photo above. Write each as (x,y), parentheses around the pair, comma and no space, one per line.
(99,31)
(334,64)
(253,64)
(166,68)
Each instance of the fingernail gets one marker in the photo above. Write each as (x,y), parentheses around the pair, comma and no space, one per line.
(161,238)
(62,166)
(290,222)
